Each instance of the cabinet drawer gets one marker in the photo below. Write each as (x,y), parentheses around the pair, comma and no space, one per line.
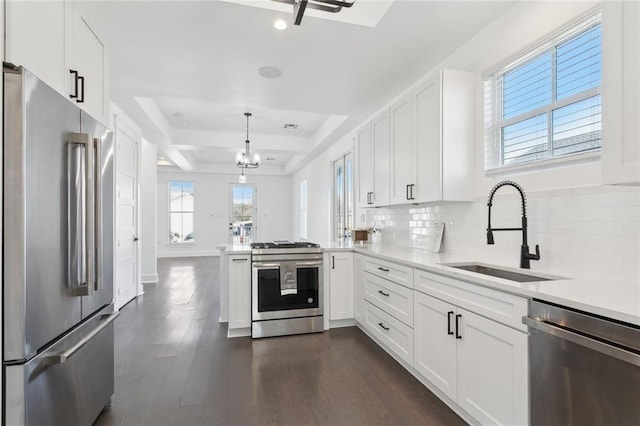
(396,336)
(496,305)
(400,274)
(390,297)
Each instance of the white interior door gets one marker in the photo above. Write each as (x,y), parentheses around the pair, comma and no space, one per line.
(126,284)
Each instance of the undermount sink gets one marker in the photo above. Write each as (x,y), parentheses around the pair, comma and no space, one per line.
(498,272)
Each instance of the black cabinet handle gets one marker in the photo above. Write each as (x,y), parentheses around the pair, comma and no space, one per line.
(407,192)
(449,314)
(458,335)
(81,98)
(333,262)
(383,269)
(383,327)
(74,73)
(383,293)
(411,191)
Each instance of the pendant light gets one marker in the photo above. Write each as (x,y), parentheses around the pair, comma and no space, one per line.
(242,178)
(244,159)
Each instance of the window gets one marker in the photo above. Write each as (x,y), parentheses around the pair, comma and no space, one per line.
(343,197)
(303,209)
(546,104)
(181,212)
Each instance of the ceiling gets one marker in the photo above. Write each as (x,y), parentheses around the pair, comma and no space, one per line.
(186,72)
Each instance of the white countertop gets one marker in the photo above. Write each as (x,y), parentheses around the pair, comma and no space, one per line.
(607,296)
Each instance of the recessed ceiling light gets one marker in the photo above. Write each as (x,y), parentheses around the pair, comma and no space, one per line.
(280,24)
(269,72)
(271,158)
(290,126)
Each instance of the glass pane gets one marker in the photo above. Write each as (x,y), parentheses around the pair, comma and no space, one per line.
(525,141)
(577,127)
(579,63)
(187,196)
(349,194)
(242,214)
(527,87)
(187,227)
(175,196)
(175,228)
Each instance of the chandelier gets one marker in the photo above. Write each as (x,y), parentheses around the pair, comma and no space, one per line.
(244,159)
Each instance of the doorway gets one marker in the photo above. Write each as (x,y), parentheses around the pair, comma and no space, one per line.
(343,197)
(242,214)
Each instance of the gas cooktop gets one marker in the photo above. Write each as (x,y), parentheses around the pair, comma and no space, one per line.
(280,244)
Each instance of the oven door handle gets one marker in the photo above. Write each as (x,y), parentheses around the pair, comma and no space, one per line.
(309,263)
(265,265)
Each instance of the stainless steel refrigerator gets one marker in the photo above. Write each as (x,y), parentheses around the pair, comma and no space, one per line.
(58,189)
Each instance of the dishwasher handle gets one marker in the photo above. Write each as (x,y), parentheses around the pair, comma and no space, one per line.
(538,323)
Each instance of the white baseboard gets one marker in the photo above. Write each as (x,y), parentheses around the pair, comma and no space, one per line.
(239,332)
(180,253)
(149,278)
(342,323)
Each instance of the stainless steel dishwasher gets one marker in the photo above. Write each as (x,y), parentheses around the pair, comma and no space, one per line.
(583,369)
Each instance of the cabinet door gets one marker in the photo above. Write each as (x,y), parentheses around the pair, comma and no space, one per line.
(364,168)
(239,291)
(358,288)
(380,138)
(492,371)
(427,116)
(402,156)
(35,38)
(434,347)
(89,61)
(621,92)
(341,279)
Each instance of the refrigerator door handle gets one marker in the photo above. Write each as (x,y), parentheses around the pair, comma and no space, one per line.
(81,214)
(98,217)
(62,357)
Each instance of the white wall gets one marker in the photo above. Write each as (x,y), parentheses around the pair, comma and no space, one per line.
(212,210)
(519,27)
(148,211)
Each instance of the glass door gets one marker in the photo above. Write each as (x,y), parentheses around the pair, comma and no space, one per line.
(343,197)
(242,217)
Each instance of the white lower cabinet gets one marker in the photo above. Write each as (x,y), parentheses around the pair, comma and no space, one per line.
(477,362)
(394,334)
(239,274)
(358,287)
(341,285)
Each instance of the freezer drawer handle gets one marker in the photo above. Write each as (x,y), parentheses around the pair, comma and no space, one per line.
(579,339)
(62,357)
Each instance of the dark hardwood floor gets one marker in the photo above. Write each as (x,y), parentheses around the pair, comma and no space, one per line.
(175,366)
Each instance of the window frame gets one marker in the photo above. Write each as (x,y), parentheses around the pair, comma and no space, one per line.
(193,212)
(303,209)
(493,102)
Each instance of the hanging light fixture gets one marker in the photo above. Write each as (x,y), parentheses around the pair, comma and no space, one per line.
(331,6)
(244,159)
(242,178)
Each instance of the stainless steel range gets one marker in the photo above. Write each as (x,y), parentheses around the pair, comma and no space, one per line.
(286,288)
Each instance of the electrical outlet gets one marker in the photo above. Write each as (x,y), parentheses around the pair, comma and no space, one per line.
(450,228)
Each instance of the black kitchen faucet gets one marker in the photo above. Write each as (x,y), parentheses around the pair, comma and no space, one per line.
(525,256)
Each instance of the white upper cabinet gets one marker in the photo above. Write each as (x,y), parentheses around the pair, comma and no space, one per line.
(35,38)
(89,59)
(372,143)
(431,143)
(380,139)
(53,38)
(364,150)
(401,151)
(621,92)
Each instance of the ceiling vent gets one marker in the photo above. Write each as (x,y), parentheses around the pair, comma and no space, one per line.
(291,126)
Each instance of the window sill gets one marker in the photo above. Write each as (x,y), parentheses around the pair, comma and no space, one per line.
(568,160)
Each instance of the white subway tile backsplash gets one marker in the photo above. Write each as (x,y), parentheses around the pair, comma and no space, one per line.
(590,229)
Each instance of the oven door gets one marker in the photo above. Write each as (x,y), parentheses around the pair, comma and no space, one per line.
(286,289)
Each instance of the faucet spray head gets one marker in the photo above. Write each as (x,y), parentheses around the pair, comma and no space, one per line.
(490,236)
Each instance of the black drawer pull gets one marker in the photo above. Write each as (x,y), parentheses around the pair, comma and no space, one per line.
(383,293)
(383,269)
(383,327)
(74,73)
(81,97)
(449,314)
(458,335)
